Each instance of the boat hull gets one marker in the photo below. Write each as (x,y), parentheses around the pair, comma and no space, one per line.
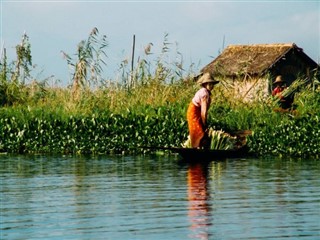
(194,154)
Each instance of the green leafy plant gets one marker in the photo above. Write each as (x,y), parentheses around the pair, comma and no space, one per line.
(220,140)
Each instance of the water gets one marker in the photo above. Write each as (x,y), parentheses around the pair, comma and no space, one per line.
(108,197)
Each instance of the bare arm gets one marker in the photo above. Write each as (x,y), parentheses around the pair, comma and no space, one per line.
(204,111)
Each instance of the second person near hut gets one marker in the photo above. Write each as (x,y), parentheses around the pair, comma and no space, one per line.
(285,102)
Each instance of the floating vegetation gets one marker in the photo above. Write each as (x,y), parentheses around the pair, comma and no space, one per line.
(114,133)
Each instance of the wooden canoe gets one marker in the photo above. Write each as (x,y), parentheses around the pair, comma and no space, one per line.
(194,154)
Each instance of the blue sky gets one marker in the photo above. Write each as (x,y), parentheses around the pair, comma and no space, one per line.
(199,28)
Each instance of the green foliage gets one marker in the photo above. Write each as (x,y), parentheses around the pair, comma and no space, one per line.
(57,130)
(26,132)
(151,115)
(308,101)
(297,137)
(149,109)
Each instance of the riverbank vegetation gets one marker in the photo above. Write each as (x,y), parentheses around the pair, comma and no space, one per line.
(145,107)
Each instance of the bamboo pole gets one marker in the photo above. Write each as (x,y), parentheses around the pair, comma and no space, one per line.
(132,60)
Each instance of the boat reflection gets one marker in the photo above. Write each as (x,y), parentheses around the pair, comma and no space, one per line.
(198,199)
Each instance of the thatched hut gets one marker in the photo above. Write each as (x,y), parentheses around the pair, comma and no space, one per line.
(252,68)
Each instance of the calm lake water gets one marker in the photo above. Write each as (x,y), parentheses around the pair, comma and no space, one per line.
(155,197)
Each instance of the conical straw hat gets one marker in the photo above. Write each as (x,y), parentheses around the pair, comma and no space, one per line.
(206,78)
(278,80)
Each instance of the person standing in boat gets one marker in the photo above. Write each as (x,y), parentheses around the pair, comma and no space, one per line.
(198,111)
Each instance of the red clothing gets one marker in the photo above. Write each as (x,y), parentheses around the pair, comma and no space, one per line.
(195,124)
(285,102)
(277,91)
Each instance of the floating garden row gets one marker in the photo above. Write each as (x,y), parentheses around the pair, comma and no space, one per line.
(114,133)
(298,137)
(26,132)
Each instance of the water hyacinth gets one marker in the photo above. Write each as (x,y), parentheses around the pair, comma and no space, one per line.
(93,134)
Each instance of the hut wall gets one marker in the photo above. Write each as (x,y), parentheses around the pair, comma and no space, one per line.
(251,90)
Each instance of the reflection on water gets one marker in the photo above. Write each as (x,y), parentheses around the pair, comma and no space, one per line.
(198,195)
(203,180)
(147,197)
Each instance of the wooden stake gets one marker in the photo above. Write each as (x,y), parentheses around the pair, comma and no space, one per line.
(132,59)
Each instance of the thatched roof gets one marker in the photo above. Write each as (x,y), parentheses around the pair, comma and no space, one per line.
(248,59)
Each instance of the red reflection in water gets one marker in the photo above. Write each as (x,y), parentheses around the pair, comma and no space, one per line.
(198,201)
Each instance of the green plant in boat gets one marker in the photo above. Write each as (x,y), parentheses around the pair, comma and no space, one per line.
(221,140)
